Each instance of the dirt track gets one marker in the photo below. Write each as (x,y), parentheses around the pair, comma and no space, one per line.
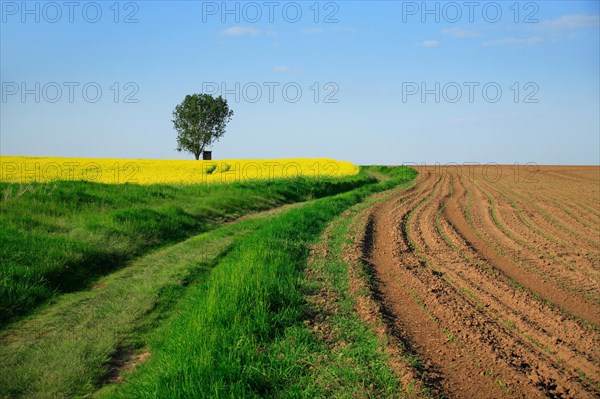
(495,280)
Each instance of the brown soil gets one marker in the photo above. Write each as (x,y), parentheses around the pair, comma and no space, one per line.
(494,278)
(123,360)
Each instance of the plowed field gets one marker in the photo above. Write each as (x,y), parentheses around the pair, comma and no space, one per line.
(492,276)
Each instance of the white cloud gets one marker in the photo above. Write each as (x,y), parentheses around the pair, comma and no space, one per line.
(240,31)
(530,41)
(283,69)
(573,21)
(460,33)
(430,43)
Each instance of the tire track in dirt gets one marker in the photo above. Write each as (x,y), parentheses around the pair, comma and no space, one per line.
(575,213)
(481,321)
(538,205)
(505,357)
(570,251)
(503,283)
(395,266)
(531,273)
(541,332)
(584,187)
(550,206)
(550,209)
(591,208)
(545,253)
(459,311)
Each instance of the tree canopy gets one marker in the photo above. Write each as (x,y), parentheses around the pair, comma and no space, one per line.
(200,120)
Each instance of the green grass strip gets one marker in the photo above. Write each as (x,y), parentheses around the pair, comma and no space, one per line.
(226,341)
(66,349)
(350,360)
(59,237)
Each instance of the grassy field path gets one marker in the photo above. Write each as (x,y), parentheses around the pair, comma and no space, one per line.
(60,237)
(225,312)
(84,339)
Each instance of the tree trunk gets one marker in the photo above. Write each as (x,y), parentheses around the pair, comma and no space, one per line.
(197,154)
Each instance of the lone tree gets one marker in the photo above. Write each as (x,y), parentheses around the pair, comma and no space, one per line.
(200,120)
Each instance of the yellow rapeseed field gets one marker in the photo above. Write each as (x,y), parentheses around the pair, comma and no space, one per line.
(20,169)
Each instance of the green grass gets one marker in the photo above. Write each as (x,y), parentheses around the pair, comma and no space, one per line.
(350,360)
(241,333)
(60,237)
(66,349)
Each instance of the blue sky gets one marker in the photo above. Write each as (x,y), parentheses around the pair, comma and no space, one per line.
(385,82)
